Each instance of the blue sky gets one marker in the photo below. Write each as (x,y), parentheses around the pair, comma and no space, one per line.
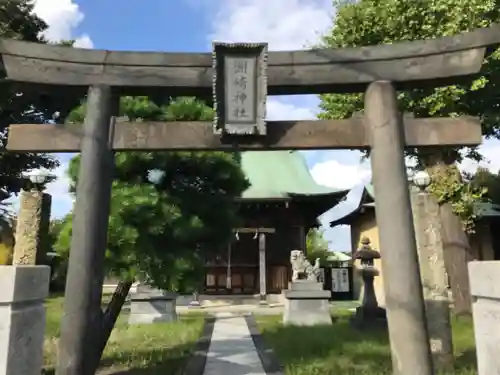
(191,26)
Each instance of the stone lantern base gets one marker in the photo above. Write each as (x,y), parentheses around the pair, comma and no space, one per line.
(369,317)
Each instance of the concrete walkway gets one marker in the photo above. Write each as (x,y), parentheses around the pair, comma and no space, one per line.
(232,350)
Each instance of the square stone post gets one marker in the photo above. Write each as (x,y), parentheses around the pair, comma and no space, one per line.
(434,280)
(485,290)
(22,313)
(32,227)
(262,268)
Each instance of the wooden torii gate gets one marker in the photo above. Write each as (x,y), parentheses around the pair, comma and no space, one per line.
(377,70)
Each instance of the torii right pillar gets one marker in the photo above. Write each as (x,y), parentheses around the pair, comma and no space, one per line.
(409,339)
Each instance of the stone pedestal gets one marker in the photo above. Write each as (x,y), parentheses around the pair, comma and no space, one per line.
(307,304)
(149,306)
(485,290)
(22,318)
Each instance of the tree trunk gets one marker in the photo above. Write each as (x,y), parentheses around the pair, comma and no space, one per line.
(456,247)
(108,319)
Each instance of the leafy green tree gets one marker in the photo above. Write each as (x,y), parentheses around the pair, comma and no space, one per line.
(483,178)
(371,22)
(58,265)
(316,246)
(7,233)
(17,21)
(315,240)
(167,209)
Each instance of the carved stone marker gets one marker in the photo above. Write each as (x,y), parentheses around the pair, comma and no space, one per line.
(485,289)
(306,302)
(32,227)
(22,313)
(149,306)
(240,88)
(434,281)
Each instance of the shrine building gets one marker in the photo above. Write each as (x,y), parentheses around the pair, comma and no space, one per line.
(282,203)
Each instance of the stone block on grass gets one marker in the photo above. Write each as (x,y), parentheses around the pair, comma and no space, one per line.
(149,306)
(485,290)
(22,318)
(307,304)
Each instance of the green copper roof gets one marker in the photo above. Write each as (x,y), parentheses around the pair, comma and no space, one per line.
(280,175)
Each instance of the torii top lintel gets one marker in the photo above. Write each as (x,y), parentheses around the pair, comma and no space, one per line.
(407,64)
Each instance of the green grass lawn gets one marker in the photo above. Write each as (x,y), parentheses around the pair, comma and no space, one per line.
(157,349)
(340,349)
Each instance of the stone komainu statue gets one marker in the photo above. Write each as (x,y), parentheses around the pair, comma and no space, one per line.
(301,267)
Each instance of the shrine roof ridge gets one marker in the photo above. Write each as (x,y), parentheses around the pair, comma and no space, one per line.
(289,72)
(281,174)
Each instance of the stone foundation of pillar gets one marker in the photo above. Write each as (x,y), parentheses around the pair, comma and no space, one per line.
(306,304)
(22,316)
(149,306)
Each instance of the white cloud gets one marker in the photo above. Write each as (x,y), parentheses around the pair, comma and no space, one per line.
(62,16)
(280,111)
(490,149)
(62,201)
(284,24)
(84,41)
(341,176)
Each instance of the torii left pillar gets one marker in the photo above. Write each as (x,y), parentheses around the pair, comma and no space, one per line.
(82,298)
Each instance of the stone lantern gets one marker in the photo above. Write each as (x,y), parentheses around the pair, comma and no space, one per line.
(369,312)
